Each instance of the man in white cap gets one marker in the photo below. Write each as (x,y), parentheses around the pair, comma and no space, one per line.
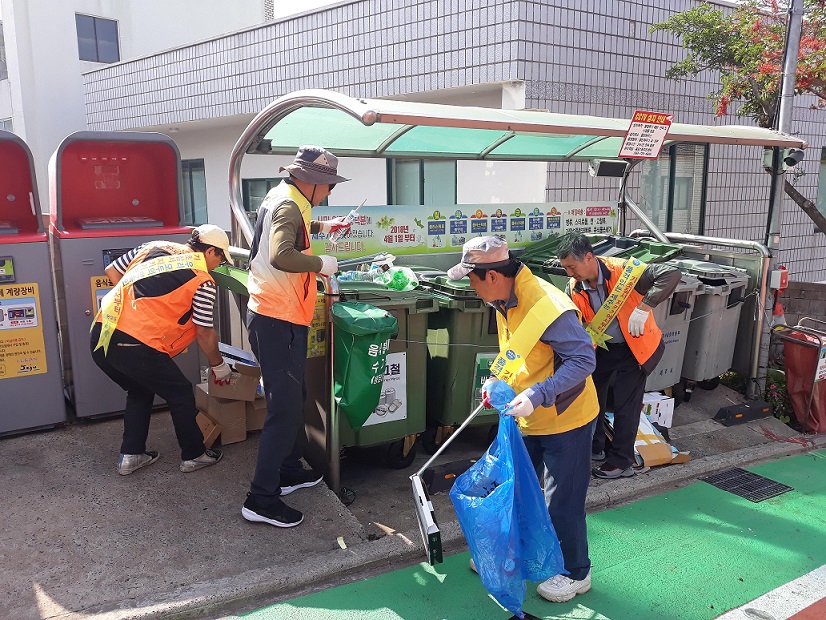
(162,301)
(546,356)
(282,288)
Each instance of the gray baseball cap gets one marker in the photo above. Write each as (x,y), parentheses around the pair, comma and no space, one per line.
(483,253)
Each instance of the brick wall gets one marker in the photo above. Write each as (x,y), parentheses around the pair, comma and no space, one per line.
(804,299)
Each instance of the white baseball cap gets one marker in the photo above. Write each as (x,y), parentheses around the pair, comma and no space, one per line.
(210,234)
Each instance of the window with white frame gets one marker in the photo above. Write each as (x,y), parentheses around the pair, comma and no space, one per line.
(6,124)
(421,182)
(97,38)
(673,192)
(194,192)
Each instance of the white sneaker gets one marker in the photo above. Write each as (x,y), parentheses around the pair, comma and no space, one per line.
(560,588)
(473,566)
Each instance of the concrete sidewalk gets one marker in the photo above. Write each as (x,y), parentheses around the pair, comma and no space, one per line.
(79,541)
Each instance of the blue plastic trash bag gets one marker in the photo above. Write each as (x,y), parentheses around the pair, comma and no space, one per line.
(502,513)
(500,394)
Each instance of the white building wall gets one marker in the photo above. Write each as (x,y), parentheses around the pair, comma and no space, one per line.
(46,98)
(588,58)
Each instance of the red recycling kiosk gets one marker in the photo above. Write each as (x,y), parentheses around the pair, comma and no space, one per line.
(31,387)
(109,192)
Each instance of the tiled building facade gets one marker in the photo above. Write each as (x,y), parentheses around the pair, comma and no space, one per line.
(591,57)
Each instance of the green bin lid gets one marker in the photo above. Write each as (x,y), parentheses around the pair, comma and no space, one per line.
(459,289)
(652,251)
(231,278)
(363,319)
(415,301)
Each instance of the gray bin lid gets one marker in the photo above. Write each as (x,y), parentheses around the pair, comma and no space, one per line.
(711,273)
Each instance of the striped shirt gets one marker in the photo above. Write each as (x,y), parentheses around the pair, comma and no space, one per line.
(203,302)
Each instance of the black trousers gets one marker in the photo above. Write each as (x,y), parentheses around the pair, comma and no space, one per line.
(629,387)
(144,372)
(281,350)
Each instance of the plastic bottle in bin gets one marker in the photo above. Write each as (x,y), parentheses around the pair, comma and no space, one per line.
(363,276)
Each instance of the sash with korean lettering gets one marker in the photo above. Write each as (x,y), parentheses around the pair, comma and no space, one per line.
(514,352)
(631,272)
(112,304)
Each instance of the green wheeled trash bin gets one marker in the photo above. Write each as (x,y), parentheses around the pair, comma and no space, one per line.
(462,342)
(362,340)
(399,416)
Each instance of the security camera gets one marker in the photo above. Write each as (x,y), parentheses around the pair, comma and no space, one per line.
(792,157)
(607,167)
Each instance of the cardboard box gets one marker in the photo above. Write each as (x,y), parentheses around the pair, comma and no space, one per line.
(650,445)
(256,414)
(242,386)
(209,428)
(659,408)
(230,414)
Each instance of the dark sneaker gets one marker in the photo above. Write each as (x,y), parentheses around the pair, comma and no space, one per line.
(308,478)
(210,457)
(609,471)
(279,514)
(127,463)
(598,456)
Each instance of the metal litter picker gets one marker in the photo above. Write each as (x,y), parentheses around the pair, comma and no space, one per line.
(426,516)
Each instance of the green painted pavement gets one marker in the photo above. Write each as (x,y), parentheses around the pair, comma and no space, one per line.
(690,554)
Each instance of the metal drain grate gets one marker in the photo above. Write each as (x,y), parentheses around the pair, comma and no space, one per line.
(753,487)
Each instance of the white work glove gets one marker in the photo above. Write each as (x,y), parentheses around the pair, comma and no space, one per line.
(520,407)
(328,227)
(221,374)
(636,322)
(329,265)
(486,387)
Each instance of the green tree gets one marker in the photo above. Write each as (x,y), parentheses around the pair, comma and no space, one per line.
(745,46)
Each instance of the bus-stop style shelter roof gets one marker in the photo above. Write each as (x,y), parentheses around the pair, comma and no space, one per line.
(386,128)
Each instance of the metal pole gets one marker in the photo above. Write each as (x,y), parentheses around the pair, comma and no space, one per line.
(784,117)
(658,234)
(333,439)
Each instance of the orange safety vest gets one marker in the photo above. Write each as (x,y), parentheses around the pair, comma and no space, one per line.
(159,313)
(643,347)
(274,293)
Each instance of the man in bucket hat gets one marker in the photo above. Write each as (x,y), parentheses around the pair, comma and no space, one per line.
(162,301)
(282,288)
(546,356)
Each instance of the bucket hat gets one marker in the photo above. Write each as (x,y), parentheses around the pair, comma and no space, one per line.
(315,165)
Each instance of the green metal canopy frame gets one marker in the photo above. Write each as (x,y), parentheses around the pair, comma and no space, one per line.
(389,129)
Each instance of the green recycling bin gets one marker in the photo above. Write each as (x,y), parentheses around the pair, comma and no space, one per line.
(541,257)
(649,251)
(400,412)
(462,342)
(362,340)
